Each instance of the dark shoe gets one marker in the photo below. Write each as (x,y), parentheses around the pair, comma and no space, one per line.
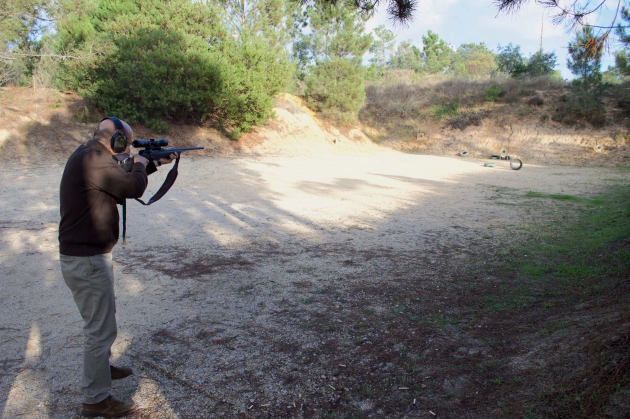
(119,372)
(109,408)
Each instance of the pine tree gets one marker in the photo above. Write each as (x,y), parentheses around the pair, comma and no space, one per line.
(336,45)
(382,47)
(437,53)
(25,26)
(621,58)
(407,57)
(585,58)
(277,21)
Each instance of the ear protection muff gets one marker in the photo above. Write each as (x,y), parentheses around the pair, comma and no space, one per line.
(118,142)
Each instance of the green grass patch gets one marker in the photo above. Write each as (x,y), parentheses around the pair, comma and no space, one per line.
(534,271)
(399,309)
(492,304)
(367,391)
(445,110)
(441,320)
(579,254)
(580,244)
(559,197)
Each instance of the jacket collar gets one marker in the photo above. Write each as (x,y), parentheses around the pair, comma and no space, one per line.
(97,145)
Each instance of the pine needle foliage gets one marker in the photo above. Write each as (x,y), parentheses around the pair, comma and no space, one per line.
(151,61)
(335,47)
(585,59)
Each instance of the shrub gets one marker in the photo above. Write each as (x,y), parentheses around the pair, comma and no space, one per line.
(464,121)
(13,72)
(493,93)
(541,64)
(172,60)
(584,103)
(622,96)
(153,73)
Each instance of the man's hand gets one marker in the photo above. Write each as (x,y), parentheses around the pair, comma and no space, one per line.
(169,159)
(137,158)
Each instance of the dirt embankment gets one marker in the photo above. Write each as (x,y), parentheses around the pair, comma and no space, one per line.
(447,116)
(48,124)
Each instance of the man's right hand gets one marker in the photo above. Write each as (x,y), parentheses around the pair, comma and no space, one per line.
(137,158)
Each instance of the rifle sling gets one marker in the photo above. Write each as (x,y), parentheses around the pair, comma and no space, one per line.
(168,182)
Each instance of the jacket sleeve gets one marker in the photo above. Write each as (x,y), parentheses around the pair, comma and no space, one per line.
(151,168)
(112,179)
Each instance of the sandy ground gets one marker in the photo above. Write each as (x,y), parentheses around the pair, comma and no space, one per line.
(220,278)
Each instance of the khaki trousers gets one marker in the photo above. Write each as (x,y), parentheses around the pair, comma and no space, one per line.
(91,280)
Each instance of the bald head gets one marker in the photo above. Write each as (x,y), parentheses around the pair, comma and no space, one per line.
(106,129)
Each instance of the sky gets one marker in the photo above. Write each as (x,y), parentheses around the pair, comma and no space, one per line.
(474,21)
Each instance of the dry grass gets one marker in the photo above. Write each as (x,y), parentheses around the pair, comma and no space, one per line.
(403,94)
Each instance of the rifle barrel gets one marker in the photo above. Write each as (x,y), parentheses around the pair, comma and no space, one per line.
(199,147)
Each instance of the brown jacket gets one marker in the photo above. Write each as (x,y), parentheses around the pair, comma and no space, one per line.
(91,185)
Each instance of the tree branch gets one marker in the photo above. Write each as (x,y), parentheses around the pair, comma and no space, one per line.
(13,55)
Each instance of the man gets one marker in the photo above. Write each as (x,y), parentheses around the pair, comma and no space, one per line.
(91,186)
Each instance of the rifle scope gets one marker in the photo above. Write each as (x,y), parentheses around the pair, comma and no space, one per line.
(151,143)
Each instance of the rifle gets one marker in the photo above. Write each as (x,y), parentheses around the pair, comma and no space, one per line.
(153,151)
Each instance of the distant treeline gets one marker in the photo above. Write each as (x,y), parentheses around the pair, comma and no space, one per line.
(222,62)
(438,57)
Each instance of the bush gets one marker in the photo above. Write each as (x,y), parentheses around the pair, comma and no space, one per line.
(541,64)
(493,93)
(583,104)
(446,110)
(153,73)
(464,121)
(511,61)
(172,60)
(13,73)
(621,94)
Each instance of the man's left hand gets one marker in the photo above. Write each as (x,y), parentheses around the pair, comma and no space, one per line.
(169,159)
